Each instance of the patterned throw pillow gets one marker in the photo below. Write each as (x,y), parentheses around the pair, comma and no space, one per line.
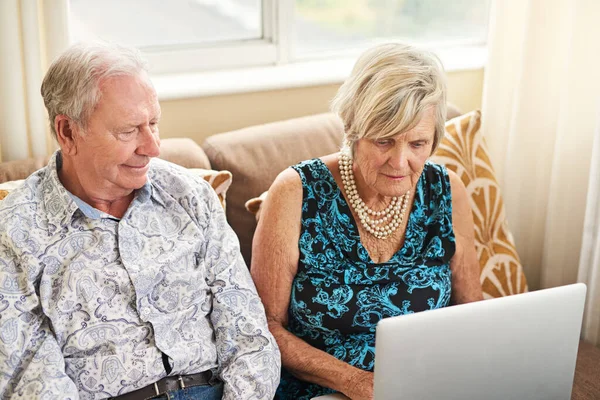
(219,180)
(464,151)
(254,205)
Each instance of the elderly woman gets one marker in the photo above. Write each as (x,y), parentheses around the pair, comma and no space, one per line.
(371,232)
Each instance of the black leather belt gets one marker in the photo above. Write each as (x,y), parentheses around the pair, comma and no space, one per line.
(167,384)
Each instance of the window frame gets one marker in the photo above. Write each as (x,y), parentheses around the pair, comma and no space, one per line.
(269,63)
(222,55)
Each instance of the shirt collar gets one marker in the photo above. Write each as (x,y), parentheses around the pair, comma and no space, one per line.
(60,204)
(86,209)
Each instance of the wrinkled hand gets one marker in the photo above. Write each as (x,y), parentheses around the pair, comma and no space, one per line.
(360,386)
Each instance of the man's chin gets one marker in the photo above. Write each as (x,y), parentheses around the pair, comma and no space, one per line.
(139,183)
(135,182)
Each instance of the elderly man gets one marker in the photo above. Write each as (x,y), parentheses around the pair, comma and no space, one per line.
(119,276)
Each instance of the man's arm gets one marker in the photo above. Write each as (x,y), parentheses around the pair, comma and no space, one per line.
(249,359)
(31,362)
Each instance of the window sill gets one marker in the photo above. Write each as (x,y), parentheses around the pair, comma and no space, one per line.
(293,75)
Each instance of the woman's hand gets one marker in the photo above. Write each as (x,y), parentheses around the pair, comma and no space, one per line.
(360,386)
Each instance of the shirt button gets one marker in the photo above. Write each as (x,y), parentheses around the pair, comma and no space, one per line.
(145,313)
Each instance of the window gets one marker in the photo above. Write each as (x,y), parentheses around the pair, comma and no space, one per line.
(195,35)
(155,24)
(327,26)
(180,35)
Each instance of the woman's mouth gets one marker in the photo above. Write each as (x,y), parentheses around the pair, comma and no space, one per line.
(395,177)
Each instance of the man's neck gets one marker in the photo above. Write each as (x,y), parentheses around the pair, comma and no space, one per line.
(113,205)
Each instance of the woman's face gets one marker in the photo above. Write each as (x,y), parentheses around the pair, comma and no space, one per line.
(392,166)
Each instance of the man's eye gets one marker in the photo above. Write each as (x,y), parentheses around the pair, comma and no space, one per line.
(383,142)
(126,135)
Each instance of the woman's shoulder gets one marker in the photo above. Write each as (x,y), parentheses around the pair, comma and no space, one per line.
(436,174)
(312,164)
(286,183)
(441,171)
(316,169)
(446,183)
(435,168)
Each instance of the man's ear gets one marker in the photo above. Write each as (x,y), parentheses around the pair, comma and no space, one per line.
(66,131)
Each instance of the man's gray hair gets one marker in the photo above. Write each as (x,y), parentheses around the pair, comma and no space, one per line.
(72,84)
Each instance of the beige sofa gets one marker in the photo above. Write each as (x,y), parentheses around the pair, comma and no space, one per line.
(255,156)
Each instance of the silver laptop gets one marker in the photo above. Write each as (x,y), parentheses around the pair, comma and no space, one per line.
(516,347)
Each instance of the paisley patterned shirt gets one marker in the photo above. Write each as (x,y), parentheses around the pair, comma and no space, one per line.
(89,303)
(339,294)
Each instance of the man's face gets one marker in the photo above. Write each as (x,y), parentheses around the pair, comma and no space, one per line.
(113,154)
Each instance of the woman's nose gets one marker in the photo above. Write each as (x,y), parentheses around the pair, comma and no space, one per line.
(399,158)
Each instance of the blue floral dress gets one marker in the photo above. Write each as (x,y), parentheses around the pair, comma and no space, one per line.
(339,294)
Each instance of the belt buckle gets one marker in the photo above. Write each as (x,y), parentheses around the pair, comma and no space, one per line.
(181,384)
(156,389)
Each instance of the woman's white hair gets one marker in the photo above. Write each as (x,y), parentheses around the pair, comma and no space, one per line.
(72,84)
(390,87)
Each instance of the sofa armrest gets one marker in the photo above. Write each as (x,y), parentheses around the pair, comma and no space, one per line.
(20,169)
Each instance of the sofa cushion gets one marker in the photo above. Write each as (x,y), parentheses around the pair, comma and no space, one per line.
(464,151)
(256,155)
(184,152)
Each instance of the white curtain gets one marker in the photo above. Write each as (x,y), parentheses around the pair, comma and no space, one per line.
(540,111)
(589,265)
(32,34)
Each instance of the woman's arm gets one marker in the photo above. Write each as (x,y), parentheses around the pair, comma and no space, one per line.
(466,286)
(275,256)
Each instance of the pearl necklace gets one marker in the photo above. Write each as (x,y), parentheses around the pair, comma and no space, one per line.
(373,221)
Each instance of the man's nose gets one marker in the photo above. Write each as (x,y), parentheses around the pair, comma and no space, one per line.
(149,143)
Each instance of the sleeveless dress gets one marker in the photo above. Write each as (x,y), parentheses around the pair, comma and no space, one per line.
(339,294)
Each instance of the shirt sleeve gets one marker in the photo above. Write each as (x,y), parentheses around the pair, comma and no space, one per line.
(31,362)
(249,359)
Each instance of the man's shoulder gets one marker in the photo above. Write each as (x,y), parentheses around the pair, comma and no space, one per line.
(23,202)
(175,179)
(29,191)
